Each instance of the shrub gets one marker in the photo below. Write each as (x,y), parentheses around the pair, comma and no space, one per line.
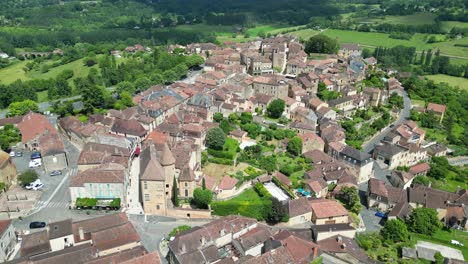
(178,230)
(86,202)
(221,161)
(261,190)
(115,203)
(221,154)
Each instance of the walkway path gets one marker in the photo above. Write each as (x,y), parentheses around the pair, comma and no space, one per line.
(133,197)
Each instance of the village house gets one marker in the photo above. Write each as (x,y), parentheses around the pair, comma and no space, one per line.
(7,170)
(105,183)
(32,127)
(95,154)
(100,237)
(342,249)
(383,197)
(305,116)
(396,155)
(7,239)
(401,179)
(328,212)
(374,94)
(358,161)
(349,49)
(420,169)
(318,188)
(261,101)
(344,104)
(408,132)
(310,141)
(226,188)
(54,156)
(129,128)
(299,211)
(273,85)
(238,135)
(436,150)
(437,109)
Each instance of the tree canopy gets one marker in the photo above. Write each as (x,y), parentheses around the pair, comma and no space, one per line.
(23,107)
(215,138)
(295,146)
(424,221)
(202,197)
(27,177)
(275,108)
(395,231)
(321,44)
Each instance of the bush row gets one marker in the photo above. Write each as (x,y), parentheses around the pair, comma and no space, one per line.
(256,210)
(221,154)
(261,190)
(221,161)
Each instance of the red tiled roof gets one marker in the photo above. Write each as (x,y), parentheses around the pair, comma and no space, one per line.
(419,168)
(4,224)
(33,125)
(324,208)
(438,108)
(298,207)
(227,183)
(115,237)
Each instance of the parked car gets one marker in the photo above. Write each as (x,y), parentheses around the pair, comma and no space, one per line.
(455,242)
(56,173)
(381,214)
(38,186)
(19,154)
(36,224)
(35,163)
(35,155)
(32,184)
(12,154)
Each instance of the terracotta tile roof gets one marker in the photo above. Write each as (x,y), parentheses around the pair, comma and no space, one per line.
(115,237)
(282,178)
(318,156)
(35,243)
(298,207)
(210,182)
(98,175)
(306,137)
(51,144)
(4,224)
(122,256)
(33,125)
(10,120)
(150,167)
(419,168)
(431,198)
(334,245)
(324,208)
(254,237)
(438,108)
(97,224)
(227,183)
(316,185)
(151,258)
(130,127)
(278,255)
(83,253)
(301,250)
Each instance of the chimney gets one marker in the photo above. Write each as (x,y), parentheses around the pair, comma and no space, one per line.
(315,251)
(339,239)
(81,233)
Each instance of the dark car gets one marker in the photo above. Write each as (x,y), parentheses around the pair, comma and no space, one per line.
(33,225)
(56,173)
(36,155)
(381,214)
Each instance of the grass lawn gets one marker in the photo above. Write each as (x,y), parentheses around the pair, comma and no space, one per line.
(419,103)
(217,29)
(449,184)
(15,71)
(448,25)
(218,171)
(42,96)
(443,237)
(253,32)
(248,204)
(295,177)
(414,19)
(452,81)
(383,39)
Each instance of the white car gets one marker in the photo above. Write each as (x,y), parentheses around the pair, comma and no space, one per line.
(35,163)
(38,186)
(33,184)
(12,154)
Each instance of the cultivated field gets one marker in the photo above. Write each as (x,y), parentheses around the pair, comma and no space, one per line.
(452,81)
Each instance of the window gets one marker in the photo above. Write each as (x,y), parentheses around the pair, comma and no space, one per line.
(186,184)
(167,185)
(158,207)
(186,192)
(147,198)
(145,184)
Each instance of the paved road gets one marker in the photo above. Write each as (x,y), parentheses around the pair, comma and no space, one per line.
(404,115)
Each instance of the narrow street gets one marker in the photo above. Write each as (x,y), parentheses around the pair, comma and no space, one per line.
(133,198)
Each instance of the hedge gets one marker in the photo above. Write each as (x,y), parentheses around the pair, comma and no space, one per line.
(282,186)
(221,154)
(221,161)
(262,191)
(115,203)
(86,202)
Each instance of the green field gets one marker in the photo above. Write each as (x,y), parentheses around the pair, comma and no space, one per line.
(448,25)
(414,19)
(273,29)
(452,81)
(381,39)
(15,71)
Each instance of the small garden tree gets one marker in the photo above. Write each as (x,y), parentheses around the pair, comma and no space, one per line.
(217,117)
(21,108)
(215,138)
(27,177)
(202,198)
(275,108)
(295,146)
(424,221)
(395,231)
(175,193)
(350,198)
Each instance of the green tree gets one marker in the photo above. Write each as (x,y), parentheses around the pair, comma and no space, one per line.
(321,44)
(175,193)
(125,87)
(246,117)
(217,117)
(215,138)
(378,124)
(349,196)
(203,183)
(202,198)
(438,258)
(368,240)
(277,213)
(178,230)
(396,100)
(23,107)
(424,221)
(275,108)
(268,163)
(421,179)
(395,231)
(366,53)
(27,177)
(142,84)
(295,146)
